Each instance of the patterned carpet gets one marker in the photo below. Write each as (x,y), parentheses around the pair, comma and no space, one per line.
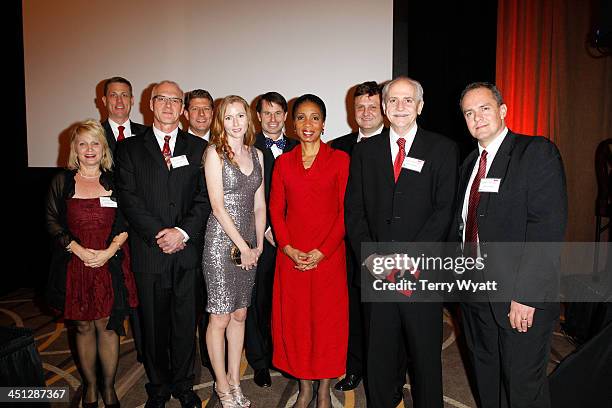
(21,309)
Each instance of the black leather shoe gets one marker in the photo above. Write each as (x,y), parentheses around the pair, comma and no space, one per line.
(350,382)
(262,377)
(189,399)
(156,402)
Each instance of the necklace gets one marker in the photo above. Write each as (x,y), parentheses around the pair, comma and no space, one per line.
(88,177)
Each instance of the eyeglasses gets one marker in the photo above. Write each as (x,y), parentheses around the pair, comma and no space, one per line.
(161,99)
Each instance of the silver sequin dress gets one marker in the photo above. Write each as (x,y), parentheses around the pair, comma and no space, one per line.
(228,286)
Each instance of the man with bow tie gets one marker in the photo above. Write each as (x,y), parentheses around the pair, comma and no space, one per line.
(118,100)
(272,112)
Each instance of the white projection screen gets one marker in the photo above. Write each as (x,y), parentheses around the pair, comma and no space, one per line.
(244,47)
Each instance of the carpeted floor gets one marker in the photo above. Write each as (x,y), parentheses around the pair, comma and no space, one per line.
(21,309)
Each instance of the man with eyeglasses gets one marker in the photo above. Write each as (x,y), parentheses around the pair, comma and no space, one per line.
(199,107)
(118,100)
(162,194)
(271,110)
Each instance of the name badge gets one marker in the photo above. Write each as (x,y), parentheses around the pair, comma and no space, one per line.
(179,161)
(489,185)
(413,164)
(108,202)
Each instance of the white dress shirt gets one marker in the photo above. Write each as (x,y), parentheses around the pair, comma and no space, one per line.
(205,137)
(127,132)
(362,136)
(276,151)
(491,149)
(159,136)
(393,137)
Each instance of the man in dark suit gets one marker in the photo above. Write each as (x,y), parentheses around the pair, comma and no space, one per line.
(401,188)
(512,189)
(272,112)
(118,100)
(368,115)
(162,193)
(199,106)
(369,118)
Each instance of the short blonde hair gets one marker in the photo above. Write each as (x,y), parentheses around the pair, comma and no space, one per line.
(95,129)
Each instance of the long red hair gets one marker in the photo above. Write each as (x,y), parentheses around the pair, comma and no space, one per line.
(218,135)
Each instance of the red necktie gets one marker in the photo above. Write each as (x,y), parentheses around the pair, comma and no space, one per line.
(120,136)
(399,159)
(166,151)
(471,230)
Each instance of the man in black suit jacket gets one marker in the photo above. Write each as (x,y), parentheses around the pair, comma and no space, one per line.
(199,106)
(511,189)
(401,188)
(162,193)
(118,100)
(369,118)
(272,112)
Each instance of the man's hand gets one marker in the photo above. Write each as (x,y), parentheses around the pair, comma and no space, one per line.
(170,240)
(521,316)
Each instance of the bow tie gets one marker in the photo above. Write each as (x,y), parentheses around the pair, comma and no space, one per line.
(280,143)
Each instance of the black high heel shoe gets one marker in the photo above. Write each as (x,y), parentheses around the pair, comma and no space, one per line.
(89,404)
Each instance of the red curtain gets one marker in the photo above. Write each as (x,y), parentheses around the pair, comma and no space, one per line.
(528,62)
(556,85)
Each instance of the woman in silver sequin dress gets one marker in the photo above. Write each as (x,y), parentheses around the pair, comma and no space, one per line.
(234,169)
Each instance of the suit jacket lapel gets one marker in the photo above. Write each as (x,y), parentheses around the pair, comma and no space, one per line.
(260,142)
(291,143)
(180,148)
(498,169)
(153,147)
(383,155)
(466,172)
(110,137)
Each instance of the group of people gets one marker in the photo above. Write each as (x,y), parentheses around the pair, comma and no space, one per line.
(255,240)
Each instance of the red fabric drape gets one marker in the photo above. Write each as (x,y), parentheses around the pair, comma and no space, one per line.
(527,64)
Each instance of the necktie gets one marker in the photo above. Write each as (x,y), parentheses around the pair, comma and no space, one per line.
(121,136)
(471,228)
(280,143)
(399,159)
(166,151)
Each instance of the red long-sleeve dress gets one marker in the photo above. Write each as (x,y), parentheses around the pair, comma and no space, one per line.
(310,308)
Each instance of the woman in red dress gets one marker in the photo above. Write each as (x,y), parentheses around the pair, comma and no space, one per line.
(90,278)
(310,301)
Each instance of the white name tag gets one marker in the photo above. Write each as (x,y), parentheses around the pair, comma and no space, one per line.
(489,185)
(108,202)
(179,161)
(413,164)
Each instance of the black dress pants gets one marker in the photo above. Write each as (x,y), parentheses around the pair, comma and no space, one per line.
(356,341)
(168,321)
(393,328)
(509,367)
(258,334)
